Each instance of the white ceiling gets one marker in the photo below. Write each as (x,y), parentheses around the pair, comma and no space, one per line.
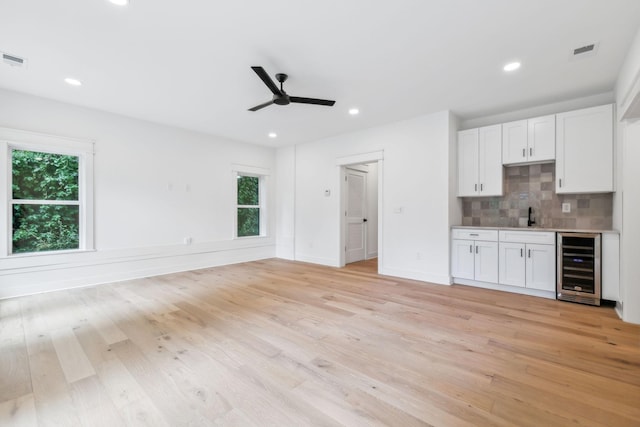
(187,63)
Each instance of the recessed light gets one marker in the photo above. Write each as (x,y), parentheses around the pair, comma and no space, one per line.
(120,2)
(354,111)
(512,66)
(272,135)
(73,82)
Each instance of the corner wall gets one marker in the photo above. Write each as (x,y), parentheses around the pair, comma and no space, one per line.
(153,186)
(627,199)
(416,196)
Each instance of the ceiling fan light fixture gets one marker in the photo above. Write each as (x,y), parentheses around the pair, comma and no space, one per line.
(512,66)
(354,111)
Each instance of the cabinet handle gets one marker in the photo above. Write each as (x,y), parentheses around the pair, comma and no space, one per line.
(531,151)
(521,254)
(560,182)
(476,249)
(529,253)
(474,234)
(470,249)
(475,188)
(481,187)
(524,152)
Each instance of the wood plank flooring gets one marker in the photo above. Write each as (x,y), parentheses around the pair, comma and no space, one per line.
(280,343)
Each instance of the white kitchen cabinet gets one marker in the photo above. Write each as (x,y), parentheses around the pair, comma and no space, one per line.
(541,267)
(611,267)
(473,258)
(480,162)
(529,141)
(462,259)
(512,264)
(584,150)
(527,259)
(468,163)
(486,261)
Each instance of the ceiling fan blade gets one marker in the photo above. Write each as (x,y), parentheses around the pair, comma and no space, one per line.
(258,107)
(315,101)
(267,80)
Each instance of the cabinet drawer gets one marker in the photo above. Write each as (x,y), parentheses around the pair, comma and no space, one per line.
(475,234)
(525,236)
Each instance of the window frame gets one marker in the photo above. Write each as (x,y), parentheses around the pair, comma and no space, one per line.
(262,175)
(28,141)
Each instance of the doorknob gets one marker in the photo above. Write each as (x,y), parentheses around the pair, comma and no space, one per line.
(364,219)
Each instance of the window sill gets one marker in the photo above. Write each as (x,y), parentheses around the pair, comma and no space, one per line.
(48,253)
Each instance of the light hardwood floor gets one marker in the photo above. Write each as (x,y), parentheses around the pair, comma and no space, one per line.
(278,343)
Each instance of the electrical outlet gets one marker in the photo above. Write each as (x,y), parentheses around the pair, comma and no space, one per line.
(566,207)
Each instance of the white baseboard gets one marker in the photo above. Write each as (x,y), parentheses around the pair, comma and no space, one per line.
(96,268)
(318,260)
(416,275)
(506,288)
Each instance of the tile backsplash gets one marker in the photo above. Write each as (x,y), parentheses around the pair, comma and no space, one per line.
(534,185)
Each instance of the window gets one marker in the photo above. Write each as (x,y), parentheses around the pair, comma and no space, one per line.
(45,204)
(250,215)
(47,194)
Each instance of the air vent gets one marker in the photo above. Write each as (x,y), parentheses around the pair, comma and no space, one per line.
(584,51)
(13,60)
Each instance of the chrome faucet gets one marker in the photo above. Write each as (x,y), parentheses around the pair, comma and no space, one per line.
(530,221)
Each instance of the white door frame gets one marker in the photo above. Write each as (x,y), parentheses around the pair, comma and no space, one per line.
(342,162)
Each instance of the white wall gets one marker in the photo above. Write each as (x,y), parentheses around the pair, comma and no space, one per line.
(285,201)
(627,204)
(415,196)
(154,186)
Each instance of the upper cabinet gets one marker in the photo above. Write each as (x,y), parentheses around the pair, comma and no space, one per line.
(584,150)
(529,141)
(480,162)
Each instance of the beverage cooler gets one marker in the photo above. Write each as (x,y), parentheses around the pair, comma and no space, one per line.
(579,267)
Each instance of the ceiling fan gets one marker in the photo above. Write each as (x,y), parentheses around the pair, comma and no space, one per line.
(280,97)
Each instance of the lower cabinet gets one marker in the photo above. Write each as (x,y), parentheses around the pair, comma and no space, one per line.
(475,260)
(528,265)
(520,258)
(475,254)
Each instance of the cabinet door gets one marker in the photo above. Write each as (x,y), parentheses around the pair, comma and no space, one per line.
(486,261)
(542,138)
(541,267)
(584,150)
(514,142)
(462,255)
(512,264)
(468,163)
(490,160)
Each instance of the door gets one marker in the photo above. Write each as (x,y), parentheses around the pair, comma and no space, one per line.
(468,163)
(514,142)
(584,150)
(490,161)
(356,197)
(486,261)
(462,264)
(541,267)
(512,264)
(542,138)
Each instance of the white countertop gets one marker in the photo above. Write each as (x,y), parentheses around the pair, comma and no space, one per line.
(559,230)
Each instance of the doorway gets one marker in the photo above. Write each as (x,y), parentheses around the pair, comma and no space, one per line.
(360,203)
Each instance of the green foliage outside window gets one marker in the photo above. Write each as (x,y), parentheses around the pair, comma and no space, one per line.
(248,196)
(50,177)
